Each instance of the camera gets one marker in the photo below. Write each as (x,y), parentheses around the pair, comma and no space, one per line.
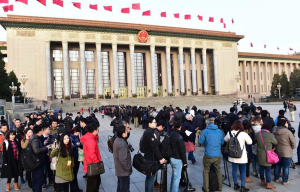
(130,147)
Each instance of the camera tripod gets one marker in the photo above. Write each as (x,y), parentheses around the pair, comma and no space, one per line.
(226,176)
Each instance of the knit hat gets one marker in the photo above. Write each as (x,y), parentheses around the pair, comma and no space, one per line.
(61,128)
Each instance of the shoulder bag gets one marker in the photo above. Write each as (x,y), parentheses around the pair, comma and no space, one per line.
(147,167)
(272,157)
(94,169)
(189,147)
(54,162)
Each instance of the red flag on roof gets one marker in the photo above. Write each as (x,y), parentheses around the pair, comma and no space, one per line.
(211,19)
(176,15)
(221,20)
(3,1)
(147,13)
(232,20)
(95,6)
(200,18)
(58,2)
(7,8)
(42,2)
(291,49)
(251,44)
(77,5)
(277,48)
(163,14)
(265,46)
(224,25)
(23,1)
(187,17)
(237,43)
(136,6)
(125,10)
(108,8)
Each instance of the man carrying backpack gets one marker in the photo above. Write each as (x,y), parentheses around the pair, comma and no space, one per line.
(212,138)
(144,118)
(178,159)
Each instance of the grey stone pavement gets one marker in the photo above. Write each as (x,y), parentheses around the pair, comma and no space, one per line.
(137,180)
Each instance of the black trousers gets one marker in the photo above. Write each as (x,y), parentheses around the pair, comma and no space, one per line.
(74,183)
(93,183)
(123,184)
(37,179)
(9,180)
(62,187)
(28,178)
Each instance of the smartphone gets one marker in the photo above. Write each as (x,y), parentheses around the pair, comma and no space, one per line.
(50,146)
(48,139)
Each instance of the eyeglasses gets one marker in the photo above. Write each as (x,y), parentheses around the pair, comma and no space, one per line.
(154,122)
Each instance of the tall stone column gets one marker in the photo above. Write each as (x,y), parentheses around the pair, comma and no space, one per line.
(99,69)
(180,50)
(245,75)
(49,71)
(279,68)
(251,77)
(216,72)
(116,71)
(258,76)
(82,69)
(193,62)
(273,71)
(153,72)
(204,71)
(66,69)
(297,65)
(169,70)
(266,78)
(132,65)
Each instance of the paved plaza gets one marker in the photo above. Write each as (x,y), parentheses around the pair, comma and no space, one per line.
(109,180)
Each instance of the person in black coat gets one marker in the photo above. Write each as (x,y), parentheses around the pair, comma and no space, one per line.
(12,167)
(68,121)
(189,125)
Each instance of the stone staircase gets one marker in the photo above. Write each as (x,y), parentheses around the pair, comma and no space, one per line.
(183,101)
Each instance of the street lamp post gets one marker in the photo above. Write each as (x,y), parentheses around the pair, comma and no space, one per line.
(13,89)
(279,87)
(238,78)
(23,80)
(24,93)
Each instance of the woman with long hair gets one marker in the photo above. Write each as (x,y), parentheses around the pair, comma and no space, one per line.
(65,163)
(11,158)
(256,124)
(59,119)
(237,130)
(248,129)
(24,143)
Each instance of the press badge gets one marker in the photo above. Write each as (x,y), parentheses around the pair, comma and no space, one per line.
(69,163)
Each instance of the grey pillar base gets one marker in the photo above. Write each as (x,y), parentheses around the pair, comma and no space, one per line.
(49,98)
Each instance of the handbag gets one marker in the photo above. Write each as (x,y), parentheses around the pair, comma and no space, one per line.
(94,169)
(272,157)
(80,155)
(189,147)
(54,163)
(110,143)
(143,165)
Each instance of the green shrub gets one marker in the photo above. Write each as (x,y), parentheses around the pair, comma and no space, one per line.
(67,98)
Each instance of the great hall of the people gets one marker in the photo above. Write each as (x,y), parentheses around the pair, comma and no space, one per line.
(69,58)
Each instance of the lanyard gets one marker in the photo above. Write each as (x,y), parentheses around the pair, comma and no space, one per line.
(265,130)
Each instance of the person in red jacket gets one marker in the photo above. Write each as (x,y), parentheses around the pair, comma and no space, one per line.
(91,155)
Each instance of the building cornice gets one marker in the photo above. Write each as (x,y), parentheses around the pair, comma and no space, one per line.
(15,21)
(242,55)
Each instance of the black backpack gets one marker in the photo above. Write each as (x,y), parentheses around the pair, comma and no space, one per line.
(142,147)
(213,181)
(234,147)
(165,148)
(145,115)
(29,160)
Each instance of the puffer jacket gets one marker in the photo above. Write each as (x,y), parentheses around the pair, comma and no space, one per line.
(68,121)
(90,149)
(285,141)
(177,145)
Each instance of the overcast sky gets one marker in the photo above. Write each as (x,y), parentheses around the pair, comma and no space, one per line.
(271,22)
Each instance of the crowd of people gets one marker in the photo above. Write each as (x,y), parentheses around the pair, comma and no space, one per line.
(241,137)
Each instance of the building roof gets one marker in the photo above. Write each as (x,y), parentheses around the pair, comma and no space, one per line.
(268,56)
(86,25)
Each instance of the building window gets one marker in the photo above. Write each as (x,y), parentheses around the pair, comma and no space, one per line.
(240,88)
(122,69)
(74,78)
(140,70)
(247,88)
(57,55)
(73,55)
(183,56)
(89,56)
(158,74)
(240,74)
(254,88)
(90,83)
(247,75)
(105,69)
(58,83)
(262,88)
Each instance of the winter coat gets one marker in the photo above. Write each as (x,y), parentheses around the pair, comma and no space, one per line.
(75,140)
(151,143)
(249,147)
(177,145)
(77,120)
(179,117)
(90,149)
(268,120)
(243,139)
(256,128)
(68,121)
(37,147)
(269,140)
(2,139)
(189,125)
(199,121)
(13,168)
(122,158)
(63,171)
(285,142)
(212,137)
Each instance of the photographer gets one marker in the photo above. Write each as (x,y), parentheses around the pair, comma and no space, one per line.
(122,159)
(115,123)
